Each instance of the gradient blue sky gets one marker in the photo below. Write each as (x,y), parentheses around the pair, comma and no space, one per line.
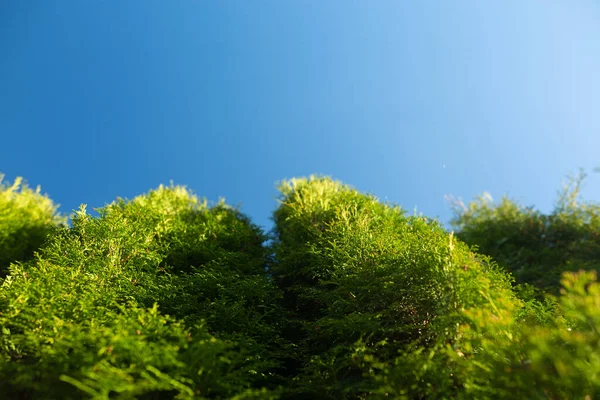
(408,100)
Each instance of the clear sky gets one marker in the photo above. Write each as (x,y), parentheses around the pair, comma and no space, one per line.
(408,100)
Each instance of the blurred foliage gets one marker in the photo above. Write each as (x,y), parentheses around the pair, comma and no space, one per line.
(502,354)
(166,296)
(26,219)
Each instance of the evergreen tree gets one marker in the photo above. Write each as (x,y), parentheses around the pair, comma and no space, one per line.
(167,297)
(367,286)
(159,297)
(536,248)
(26,219)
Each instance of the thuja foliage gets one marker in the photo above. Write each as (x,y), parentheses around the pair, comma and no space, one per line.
(26,218)
(166,296)
(550,347)
(504,357)
(536,248)
(159,297)
(370,289)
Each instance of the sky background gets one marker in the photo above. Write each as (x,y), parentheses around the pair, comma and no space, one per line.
(408,100)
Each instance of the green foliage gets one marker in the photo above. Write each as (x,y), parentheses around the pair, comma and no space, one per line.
(536,248)
(366,283)
(84,312)
(167,297)
(504,353)
(559,359)
(26,218)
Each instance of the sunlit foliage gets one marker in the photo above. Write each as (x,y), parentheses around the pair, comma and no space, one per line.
(167,296)
(26,218)
(160,296)
(366,283)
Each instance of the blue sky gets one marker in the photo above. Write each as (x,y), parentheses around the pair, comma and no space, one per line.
(407,100)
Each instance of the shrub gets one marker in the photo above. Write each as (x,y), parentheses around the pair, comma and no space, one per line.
(26,219)
(504,358)
(84,312)
(165,296)
(368,284)
(536,248)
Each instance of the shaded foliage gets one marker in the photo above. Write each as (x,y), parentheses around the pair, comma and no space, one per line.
(535,247)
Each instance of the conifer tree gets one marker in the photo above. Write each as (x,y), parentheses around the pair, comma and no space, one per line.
(536,248)
(159,297)
(166,296)
(26,219)
(369,286)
